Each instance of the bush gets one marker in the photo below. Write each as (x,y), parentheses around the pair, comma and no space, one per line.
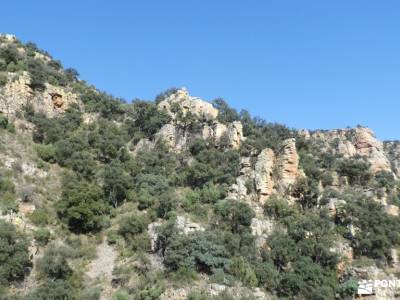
(54,263)
(3,121)
(46,152)
(52,290)
(242,270)
(237,215)
(14,254)
(133,229)
(3,79)
(42,236)
(199,251)
(356,170)
(81,206)
(39,217)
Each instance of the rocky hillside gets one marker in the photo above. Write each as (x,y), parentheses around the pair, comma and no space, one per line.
(180,198)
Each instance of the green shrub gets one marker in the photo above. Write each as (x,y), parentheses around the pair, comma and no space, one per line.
(39,217)
(3,79)
(46,152)
(237,215)
(54,263)
(242,270)
(133,229)
(81,206)
(52,290)
(3,121)
(42,236)
(199,251)
(356,170)
(14,254)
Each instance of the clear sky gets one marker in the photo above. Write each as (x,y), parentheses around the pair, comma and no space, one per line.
(308,64)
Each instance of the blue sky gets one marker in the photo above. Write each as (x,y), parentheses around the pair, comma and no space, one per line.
(308,64)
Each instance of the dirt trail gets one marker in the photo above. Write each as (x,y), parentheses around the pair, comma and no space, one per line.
(102,267)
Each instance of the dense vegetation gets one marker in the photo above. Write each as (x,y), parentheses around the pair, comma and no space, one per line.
(106,190)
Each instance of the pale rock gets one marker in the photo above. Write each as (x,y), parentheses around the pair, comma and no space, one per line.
(345,253)
(392,151)
(263,172)
(187,103)
(152,232)
(356,141)
(333,206)
(392,210)
(183,224)
(89,118)
(8,37)
(288,163)
(17,93)
(175,294)
(26,208)
(260,227)
(214,289)
(142,145)
(235,134)
(186,226)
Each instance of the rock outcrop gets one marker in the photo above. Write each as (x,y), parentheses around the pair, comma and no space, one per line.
(268,172)
(354,141)
(183,102)
(392,151)
(263,173)
(17,93)
(288,163)
(183,224)
(178,136)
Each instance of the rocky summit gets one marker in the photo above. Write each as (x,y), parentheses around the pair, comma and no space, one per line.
(182,198)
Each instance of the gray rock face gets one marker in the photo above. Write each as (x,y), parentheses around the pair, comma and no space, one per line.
(392,151)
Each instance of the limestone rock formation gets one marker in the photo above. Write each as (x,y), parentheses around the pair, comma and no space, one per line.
(392,151)
(186,103)
(263,179)
(178,136)
(354,141)
(183,224)
(217,131)
(288,163)
(17,93)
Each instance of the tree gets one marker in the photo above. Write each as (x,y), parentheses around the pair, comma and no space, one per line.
(226,114)
(237,215)
(14,254)
(81,205)
(116,183)
(199,251)
(356,170)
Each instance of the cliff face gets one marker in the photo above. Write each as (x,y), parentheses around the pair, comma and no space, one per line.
(355,141)
(178,135)
(392,151)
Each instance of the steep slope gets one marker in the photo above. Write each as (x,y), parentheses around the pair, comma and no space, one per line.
(181,198)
